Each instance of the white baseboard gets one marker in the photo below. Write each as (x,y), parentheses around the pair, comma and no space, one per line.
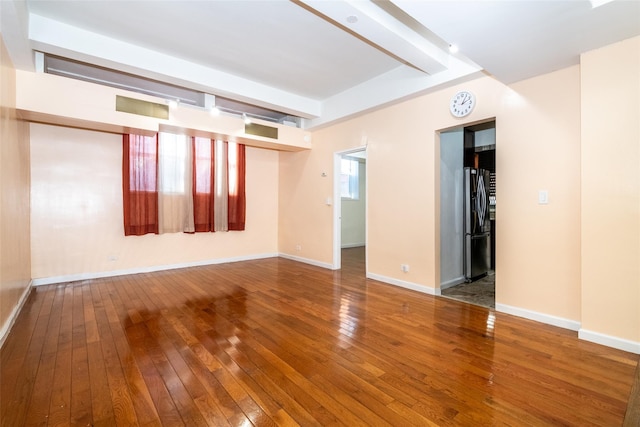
(8,324)
(307,261)
(451,283)
(609,341)
(404,284)
(539,317)
(97,275)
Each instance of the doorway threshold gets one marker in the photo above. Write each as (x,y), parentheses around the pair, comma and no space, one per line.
(480,292)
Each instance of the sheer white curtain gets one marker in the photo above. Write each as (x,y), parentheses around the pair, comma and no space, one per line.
(175,200)
(212,182)
(200,184)
(221,180)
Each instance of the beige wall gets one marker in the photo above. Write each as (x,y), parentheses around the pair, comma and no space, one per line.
(15,270)
(76,216)
(557,260)
(538,147)
(47,98)
(575,133)
(611,190)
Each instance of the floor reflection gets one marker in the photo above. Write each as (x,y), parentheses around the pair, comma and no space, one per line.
(279,342)
(350,302)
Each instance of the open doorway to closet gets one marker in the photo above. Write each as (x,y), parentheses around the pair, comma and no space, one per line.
(468,213)
(351,207)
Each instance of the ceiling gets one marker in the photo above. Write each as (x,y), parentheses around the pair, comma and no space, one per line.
(322,60)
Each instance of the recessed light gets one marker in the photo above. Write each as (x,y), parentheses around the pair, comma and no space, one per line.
(352,19)
(453,48)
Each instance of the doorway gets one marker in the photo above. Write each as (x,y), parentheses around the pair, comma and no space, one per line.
(464,150)
(350,207)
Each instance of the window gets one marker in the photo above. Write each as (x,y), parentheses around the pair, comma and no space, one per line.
(176,183)
(139,184)
(172,162)
(349,182)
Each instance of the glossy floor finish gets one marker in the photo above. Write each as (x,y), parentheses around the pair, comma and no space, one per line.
(275,342)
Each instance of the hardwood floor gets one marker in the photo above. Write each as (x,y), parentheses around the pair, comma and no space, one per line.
(275,342)
(632,417)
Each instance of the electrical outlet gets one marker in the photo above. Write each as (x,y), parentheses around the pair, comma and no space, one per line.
(298,248)
(404,268)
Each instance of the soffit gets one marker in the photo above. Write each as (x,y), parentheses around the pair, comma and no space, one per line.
(321,60)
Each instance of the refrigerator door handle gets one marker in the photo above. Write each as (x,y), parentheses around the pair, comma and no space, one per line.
(481,200)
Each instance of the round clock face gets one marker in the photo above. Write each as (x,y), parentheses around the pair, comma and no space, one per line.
(462,103)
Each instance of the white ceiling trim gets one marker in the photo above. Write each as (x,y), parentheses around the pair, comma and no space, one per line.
(57,38)
(277,56)
(394,86)
(380,28)
(14,23)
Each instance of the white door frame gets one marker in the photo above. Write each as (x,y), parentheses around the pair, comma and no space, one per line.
(337,206)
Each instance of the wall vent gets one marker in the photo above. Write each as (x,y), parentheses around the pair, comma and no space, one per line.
(142,108)
(261,130)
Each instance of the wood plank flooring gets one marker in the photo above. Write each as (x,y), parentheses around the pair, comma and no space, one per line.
(632,417)
(275,342)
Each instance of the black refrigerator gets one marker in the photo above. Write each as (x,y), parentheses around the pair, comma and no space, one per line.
(477,226)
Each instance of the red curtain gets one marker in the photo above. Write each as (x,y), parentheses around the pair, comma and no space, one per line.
(203,185)
(237,198)
(139,184)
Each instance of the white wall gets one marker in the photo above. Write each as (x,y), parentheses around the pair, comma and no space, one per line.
(451,207)
(353,227)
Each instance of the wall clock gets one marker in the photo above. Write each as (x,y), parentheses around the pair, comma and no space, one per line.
(462,103)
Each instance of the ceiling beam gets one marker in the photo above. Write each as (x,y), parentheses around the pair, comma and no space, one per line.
(386,32)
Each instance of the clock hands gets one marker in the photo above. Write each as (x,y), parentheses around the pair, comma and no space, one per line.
(462,103)
(464,100)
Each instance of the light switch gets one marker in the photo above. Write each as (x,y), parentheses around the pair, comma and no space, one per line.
(543,197)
